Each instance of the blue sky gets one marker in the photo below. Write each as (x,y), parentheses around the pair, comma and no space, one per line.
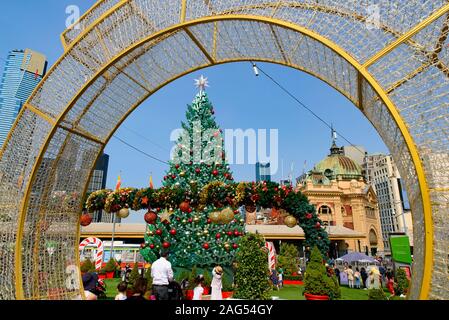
(241,100)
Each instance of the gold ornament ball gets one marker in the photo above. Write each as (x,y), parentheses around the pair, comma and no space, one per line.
(290,221)
(196,219)
(123,213)
(182,173)
(227,246)
(205,232)
(184,221)
(214,217)
(227,215)
(198,234)
(150,233)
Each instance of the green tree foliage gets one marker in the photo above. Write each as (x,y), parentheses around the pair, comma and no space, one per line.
(148,278)
(134,274)
(87,266)
(377,294)
(402,282)
(195,240)
(288,258)
(110,266)
(316,280)
(251,278)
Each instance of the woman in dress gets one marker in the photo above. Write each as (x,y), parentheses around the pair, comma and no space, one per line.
(216,284)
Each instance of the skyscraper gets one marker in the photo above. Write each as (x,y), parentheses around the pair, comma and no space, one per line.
(263,172)
(98,182)
(384,176)
(22,73)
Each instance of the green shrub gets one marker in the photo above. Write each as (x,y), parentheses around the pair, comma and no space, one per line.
(288,259)
(192,278)
(227,284)
(377,294)
(316,280)
(251,277)
(87,266)
(148,278)
(402,282)
(134,275)
(296,278)
(207,279)
(110,266)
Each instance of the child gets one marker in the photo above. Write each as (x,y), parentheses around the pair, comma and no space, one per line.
(281,278)
(216,284)
(199,290)
(122,286)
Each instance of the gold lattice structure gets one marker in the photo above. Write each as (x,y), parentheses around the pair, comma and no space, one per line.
(394,69)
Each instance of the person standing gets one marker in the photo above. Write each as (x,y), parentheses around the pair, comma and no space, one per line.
(337,274)
(216,284)
(281,278)
(364,276)
(350,274)
(357,277)
(274,279)
(162,274)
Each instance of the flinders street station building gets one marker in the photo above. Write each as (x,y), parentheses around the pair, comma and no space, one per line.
(346,204)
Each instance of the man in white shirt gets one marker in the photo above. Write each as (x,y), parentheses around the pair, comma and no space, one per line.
(162,274)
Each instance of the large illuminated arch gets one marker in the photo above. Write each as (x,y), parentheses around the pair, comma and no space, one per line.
(394,69)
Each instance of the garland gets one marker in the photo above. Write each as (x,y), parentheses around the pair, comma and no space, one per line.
(220,195)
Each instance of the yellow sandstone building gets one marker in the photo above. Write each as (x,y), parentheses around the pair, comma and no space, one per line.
(336,186)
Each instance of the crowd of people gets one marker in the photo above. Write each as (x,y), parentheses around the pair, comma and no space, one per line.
(361,278)
(164,287)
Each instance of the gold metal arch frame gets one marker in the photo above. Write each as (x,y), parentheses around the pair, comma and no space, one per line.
(389,59)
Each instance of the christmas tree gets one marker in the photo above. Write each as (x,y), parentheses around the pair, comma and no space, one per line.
(198,160)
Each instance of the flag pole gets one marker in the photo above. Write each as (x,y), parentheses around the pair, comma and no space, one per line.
(117,187)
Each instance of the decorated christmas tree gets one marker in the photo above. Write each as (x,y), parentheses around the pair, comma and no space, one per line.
(210,233)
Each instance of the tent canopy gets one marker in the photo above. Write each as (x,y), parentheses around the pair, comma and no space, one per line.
(356,257)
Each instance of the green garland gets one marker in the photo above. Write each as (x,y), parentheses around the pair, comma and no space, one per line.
(220,195)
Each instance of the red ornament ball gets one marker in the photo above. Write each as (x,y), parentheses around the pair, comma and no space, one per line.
(152,246)
(318,225)
(198,170)
(215,172)
(206,246)
(309,216)
(229,233)
(177,166)
(190,220)
(236,233)
(218,236)
(166,244)
(184,206)
(209,221)
(150,217)
(159,232)
(85,220)
(173,176)
(173,232)
(235,245)
(165,177)
(142,245)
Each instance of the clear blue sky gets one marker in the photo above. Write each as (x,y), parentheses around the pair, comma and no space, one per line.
(240,99)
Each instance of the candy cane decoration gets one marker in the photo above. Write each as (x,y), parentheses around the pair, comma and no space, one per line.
(99,255)
(271,255)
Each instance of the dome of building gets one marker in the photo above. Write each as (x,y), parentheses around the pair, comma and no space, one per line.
(337,164)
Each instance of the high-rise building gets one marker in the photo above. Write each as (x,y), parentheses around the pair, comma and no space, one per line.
(384,176)
(263,172)
(98,182)
(23,71)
